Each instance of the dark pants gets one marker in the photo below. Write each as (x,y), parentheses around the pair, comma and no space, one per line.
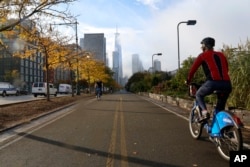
(208,88)
(98,90)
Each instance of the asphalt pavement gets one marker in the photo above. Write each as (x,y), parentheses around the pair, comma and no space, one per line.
(119,130)
(244,115)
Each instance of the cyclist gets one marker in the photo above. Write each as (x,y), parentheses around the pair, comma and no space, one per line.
(215,67)
(98,87)
(111,89)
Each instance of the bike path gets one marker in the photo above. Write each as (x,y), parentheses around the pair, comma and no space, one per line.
(185,114)
(119,130)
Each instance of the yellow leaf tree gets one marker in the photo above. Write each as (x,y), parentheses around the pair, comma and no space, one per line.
(91,70)
(45,42)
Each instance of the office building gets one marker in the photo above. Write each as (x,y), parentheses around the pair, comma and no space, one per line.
(21,72)
(117,60)
(136,64)
(157,65)
(96,44)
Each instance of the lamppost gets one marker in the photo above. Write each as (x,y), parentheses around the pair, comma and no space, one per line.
(189,22)
(88,74)
(157,54)
(77,70)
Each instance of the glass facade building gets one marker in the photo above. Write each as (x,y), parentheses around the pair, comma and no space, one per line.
(96,44)
(21,72)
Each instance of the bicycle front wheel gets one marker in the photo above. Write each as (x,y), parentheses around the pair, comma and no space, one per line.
(231,140)
(195,127)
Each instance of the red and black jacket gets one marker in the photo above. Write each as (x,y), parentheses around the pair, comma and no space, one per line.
(214,64)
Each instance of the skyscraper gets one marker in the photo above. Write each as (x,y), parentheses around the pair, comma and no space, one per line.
(117,60)
(136,64)
(157,65)
(96,44)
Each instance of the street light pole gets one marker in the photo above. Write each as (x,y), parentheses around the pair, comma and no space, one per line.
(157,54)
(88,74)
(189,22)
(77,70)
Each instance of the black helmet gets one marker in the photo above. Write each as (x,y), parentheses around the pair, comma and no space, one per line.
(208,42)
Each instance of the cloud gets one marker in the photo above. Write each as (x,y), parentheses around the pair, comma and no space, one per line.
(150,3)
(150,26)
(225,20)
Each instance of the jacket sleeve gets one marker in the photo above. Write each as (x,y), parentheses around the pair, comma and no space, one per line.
(194,68)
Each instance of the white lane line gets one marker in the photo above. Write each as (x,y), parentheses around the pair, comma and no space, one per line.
(179,115)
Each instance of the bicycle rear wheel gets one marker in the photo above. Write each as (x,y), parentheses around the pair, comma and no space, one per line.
(98,95)
(231,140)
(195,127)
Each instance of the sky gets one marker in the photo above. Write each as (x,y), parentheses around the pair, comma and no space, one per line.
(147,27)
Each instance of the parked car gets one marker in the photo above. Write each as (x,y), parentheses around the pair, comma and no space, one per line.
(65,88)
(7,89)
(40,88)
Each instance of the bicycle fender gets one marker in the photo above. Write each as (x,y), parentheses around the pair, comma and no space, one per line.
(221,120)
(225,119)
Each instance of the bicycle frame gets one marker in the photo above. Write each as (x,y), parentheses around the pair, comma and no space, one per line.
(220,120)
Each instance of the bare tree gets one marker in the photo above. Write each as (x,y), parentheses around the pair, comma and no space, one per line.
(32,10)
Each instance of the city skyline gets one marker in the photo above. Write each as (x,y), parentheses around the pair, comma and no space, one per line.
(150,26)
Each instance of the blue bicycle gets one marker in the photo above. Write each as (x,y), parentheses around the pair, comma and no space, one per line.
(223,128)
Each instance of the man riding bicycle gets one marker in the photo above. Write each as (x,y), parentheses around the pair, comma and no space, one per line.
(215,67)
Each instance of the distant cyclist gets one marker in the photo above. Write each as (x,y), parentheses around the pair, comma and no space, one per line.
(98,87)
(215,67)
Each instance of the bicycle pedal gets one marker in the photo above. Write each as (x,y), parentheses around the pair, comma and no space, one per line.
(204,118)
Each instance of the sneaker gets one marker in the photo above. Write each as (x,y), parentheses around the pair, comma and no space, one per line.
(205,116)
